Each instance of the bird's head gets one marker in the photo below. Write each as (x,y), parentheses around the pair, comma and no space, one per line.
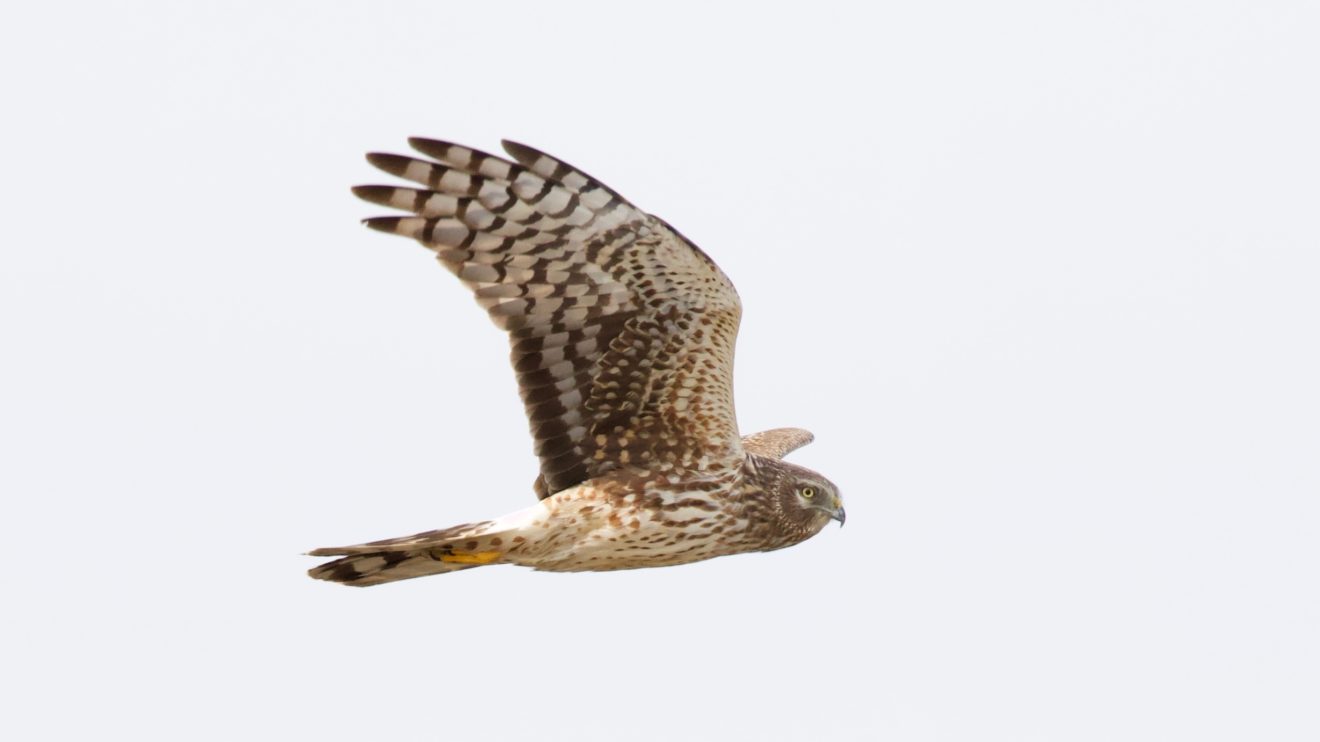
(804,501)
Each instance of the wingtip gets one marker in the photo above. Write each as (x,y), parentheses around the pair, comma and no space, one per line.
(376,194)
(430,147)
(387,224)
(390,163)
(520,152)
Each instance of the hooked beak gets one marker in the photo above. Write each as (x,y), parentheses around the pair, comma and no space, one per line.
(835,513)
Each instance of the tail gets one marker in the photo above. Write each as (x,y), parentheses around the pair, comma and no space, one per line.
(430,553)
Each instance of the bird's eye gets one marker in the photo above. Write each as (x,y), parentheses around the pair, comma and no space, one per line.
(808,492)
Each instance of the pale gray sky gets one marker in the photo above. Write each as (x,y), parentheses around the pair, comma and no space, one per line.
(1042,277)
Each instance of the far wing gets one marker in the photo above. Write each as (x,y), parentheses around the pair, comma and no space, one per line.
(776,443)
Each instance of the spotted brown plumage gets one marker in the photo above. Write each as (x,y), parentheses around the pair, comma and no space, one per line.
(622,334)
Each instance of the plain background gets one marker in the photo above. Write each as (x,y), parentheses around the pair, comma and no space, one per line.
(1042,277)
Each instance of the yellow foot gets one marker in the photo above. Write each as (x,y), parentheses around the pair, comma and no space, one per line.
(470,557)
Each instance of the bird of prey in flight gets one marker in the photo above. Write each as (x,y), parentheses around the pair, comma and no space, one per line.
(623,337)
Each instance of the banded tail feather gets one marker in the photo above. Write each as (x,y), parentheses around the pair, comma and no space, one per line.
(429,553)
(378,568)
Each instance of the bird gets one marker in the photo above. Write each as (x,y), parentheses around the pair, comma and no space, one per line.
(622,337)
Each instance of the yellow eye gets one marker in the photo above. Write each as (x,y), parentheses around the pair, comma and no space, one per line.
(808,492)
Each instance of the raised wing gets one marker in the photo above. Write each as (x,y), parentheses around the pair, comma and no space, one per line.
(622,330)
(776,443)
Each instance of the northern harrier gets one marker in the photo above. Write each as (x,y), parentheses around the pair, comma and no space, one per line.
(623,334)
